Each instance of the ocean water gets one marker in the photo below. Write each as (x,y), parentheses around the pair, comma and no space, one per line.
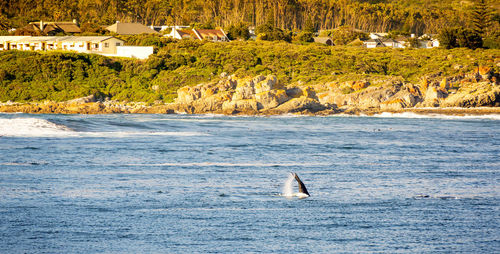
(212,184)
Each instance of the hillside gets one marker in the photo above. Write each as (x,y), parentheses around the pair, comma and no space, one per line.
(58,76)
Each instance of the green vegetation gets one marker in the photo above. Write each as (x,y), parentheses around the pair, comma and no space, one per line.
(460,37)
(34,76)
(415,16)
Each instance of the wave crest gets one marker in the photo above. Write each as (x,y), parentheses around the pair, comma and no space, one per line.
(32,127)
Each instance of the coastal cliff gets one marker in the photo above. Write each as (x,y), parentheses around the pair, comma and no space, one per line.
(265,95)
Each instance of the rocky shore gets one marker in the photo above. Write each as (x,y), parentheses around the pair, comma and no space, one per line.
(472,93)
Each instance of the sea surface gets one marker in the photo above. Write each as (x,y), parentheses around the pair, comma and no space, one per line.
(211,184)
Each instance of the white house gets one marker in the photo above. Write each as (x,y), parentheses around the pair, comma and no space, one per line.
(105,45)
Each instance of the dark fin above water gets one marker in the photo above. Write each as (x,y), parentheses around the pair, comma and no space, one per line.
(302,187)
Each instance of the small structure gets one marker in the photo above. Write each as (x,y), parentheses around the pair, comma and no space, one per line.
(324,40)
(130,28)
(388,42)
(401,42)
(373,43)
(215,35)
(139,52)
(163,28)
(49,28)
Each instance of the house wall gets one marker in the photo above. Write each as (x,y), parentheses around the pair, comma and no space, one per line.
(110,45)
(139,52)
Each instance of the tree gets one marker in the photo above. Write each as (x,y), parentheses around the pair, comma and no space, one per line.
(269,32)
(481,17)
(304,36)
(239,31)
(460,37)
(4,23)
(448,38)
(468,38)
(344,35)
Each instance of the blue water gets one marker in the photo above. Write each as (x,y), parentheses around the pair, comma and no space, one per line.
(211,184)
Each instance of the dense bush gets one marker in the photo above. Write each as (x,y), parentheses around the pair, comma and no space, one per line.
(344,35)
(460,37)
(33,76)
(239,31)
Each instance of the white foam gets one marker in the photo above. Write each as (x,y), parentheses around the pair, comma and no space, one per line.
(440,116)
(32,127)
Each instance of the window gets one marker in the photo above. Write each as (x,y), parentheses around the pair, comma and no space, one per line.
(106,45)
(118,44)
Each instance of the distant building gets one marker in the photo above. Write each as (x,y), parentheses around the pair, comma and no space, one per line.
(324,40)
(379,40)
(130,29)
(216,35)
(49,28)
(163,28)
(373,43)
(83,44)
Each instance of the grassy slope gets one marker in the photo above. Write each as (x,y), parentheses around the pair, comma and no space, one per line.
(32,76)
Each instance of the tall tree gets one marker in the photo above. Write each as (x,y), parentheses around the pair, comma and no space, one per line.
(481,17)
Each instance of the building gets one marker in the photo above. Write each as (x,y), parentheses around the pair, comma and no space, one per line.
(324,40)
(83,44)
(163,28)
(373,43)
(215,35)
(130,29)
(103,45)
(49,28)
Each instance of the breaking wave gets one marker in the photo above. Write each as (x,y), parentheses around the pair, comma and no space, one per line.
(34,127)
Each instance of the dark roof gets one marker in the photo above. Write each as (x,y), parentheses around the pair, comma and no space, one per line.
(130,28)
(49,28)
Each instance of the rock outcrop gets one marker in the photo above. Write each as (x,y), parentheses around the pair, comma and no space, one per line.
(265,95)
(257,95)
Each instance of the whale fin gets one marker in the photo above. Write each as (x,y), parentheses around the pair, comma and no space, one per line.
(302,187)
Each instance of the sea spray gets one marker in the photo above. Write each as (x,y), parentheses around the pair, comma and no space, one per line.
(287,187)
(32,127)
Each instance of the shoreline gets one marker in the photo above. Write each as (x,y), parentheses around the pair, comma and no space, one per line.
(141,108)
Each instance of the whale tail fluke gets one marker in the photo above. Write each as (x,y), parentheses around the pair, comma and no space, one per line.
(302,187)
